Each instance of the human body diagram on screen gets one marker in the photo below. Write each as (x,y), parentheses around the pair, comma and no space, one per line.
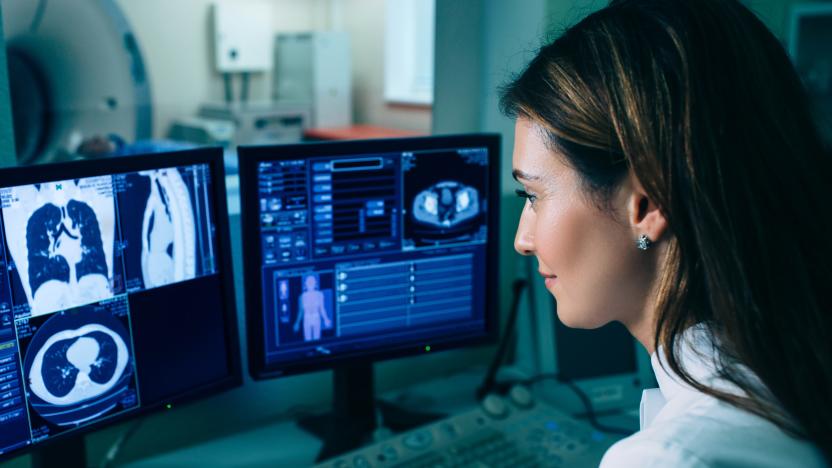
(312,310)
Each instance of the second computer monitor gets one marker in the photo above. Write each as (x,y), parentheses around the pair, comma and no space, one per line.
(368,250)
(116,295)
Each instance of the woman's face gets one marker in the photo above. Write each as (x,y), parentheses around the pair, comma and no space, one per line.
(587,256)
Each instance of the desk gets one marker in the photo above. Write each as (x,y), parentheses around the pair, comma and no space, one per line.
(357,132)
(283,443)
(279,444)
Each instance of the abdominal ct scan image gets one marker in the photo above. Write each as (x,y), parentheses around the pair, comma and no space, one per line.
(446,204)
(78,367)
(445,198)
(60,237)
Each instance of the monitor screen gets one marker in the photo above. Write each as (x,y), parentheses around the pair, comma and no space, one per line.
(368,249)
(115,291)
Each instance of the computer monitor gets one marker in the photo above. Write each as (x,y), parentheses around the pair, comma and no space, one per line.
(367,250)
(116,296)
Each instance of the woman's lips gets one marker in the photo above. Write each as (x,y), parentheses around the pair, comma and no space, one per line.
(548,279)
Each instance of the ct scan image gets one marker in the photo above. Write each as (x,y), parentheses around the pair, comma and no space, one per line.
(60,237)
(78,366)
(164,219)
(445,198)
(168,233)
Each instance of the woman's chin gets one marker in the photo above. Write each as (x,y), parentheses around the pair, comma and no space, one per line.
(581,321)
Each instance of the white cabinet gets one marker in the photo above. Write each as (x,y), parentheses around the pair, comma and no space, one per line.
(314,69)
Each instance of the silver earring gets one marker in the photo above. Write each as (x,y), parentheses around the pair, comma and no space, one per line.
(644,242)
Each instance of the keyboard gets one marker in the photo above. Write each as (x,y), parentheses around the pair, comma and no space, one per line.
(514,431)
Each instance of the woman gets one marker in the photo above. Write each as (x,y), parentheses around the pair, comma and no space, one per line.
(676,183)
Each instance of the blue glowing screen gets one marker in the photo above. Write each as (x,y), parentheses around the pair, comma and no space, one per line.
(367,252)
(99,277)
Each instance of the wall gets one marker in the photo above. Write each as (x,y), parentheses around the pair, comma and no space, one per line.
(7,151)
(458,64)
(560,14)
(776,14)
(364,20)
(179,55)
(175,40)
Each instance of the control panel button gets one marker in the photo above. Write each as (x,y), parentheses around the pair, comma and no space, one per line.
(495,407)
(390,452)
(418,440)
(521,396)
(448,429)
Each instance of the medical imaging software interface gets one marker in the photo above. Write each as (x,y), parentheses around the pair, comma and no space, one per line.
(87,267)
(372,251)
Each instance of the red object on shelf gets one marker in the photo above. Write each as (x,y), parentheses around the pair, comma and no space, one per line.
(357,132)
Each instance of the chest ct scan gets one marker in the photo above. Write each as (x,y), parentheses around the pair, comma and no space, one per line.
(64,256)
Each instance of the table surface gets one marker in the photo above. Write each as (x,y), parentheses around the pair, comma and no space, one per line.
(283,443)
(357,132)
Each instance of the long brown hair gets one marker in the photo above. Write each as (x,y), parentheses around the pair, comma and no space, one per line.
(700,101)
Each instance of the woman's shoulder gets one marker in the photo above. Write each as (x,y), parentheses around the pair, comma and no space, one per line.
(646,452)
(713,433)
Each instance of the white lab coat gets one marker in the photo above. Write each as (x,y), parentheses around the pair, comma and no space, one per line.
(682,427)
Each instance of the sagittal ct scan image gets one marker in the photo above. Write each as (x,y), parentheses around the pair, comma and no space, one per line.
(60,236)
(78,365)
(166,223)
(441,210)
(168,234)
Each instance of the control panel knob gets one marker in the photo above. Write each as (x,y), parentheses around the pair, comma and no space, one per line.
(418,440)
(495,406)
(521,396)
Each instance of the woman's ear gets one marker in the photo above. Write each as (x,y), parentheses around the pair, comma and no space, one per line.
(643,215)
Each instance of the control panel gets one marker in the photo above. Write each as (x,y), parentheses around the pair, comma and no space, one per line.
(512,431)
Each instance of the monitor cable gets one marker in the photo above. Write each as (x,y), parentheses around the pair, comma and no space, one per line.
(489,381)
(589,409)
(227,88)
(244,87)
(38,17)
(115,448)
(111,457)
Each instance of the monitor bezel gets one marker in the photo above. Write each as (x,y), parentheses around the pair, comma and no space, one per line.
(251,156)
(213,156)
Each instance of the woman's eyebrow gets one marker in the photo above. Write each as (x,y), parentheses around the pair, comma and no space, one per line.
(518,174)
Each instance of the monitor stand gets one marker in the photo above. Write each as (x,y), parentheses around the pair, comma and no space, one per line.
(352,421)
(70,451)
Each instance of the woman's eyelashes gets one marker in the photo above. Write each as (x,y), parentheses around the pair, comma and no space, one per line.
(528,196)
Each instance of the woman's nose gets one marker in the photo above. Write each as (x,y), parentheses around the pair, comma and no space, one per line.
(524,239)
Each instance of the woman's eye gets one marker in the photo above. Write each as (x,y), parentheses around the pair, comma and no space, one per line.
(524,194)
